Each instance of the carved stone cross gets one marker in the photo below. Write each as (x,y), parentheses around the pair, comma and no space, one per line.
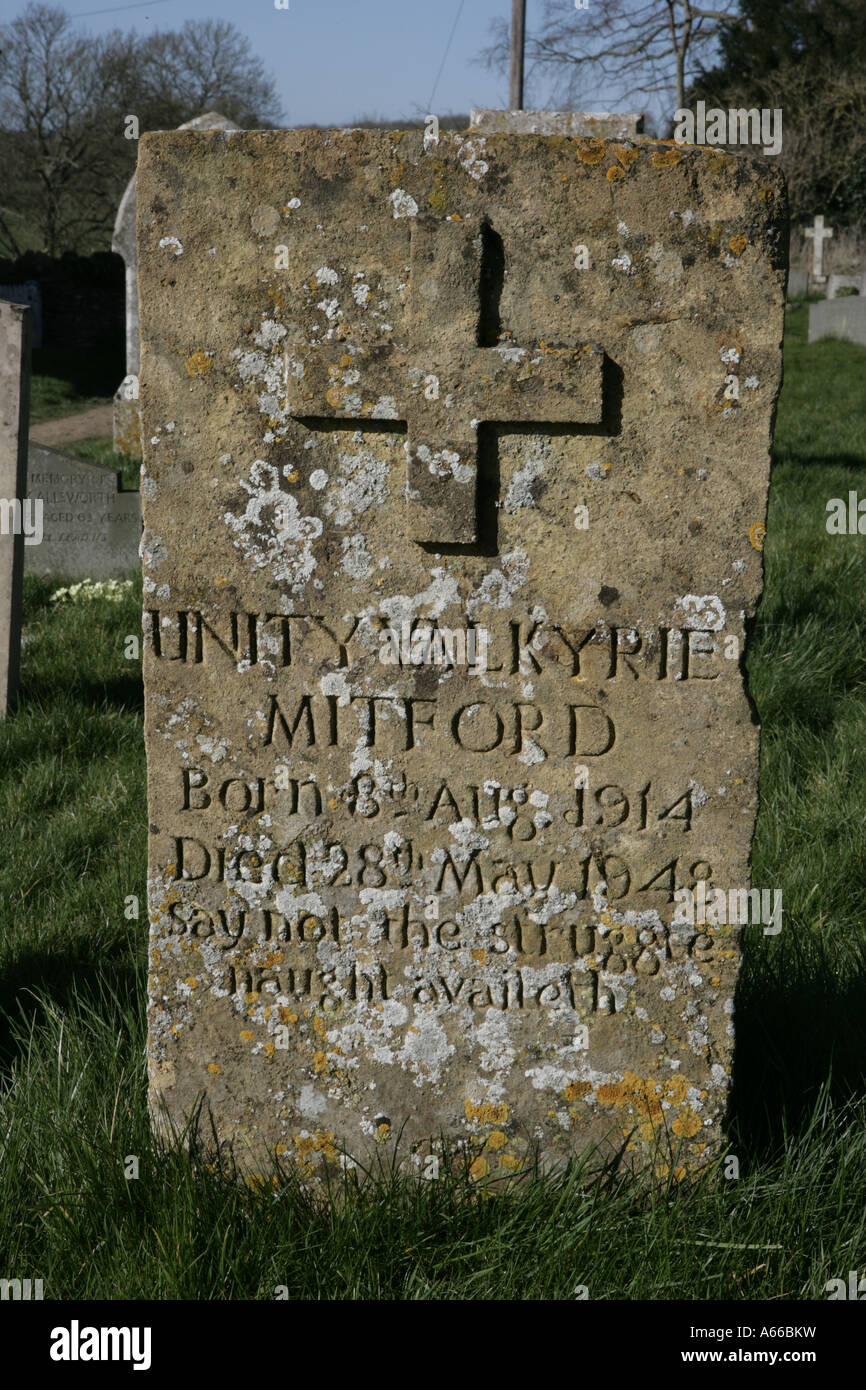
(819,233)
(454,376)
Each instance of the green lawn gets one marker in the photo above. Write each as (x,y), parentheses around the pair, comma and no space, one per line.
(101,450)
(72,968)
(64,382)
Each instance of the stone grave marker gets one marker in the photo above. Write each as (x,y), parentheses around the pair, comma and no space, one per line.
(819,234)
(127,422)
(27,293)
(456,468)
(15,323)
(843,317)
(798,282)
(835,283)
(90,529)
(603,125)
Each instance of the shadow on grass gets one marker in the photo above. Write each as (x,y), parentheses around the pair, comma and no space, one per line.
(37,982)
(96,373)
(798,1028)
(851,462)
(122,691)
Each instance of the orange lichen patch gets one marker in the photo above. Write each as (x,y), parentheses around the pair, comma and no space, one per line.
(590,151)
(663,159)
(486,1113)
(576,1090)
(127,428)
(319,1025)
(247,1034)
(625,155)
(508,1161)
(383,1132)
(635,1090)
(480,956)
(214,1068)
(281,1149)
(287,1016)
(320,1142)
(738,244)
(614,173)
(480,1168)
(757,532)
(269,1049)
(650,1102)
(191,981)
(199,362)
(497,1140)
(320,1061)
(438,196)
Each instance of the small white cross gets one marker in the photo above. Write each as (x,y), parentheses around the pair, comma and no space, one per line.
(818,232)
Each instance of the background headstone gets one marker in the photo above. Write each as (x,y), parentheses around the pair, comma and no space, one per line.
(127,419)
(835,283)
(503,386)
(603,125)
(27,293)
(838,318)
(798,282)
(91,530)
(15,322)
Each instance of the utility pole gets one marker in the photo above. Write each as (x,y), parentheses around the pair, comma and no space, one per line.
(518,35)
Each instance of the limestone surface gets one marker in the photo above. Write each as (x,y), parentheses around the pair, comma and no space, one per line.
(456,467)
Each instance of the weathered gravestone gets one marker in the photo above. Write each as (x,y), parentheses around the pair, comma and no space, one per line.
(602,125)
(15,323)
(798,282)
(27,293)
(835,283)
(843,317)
(89,527)
(127,422)
(520,390)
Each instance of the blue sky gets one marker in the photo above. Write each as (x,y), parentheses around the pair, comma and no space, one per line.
(336,61)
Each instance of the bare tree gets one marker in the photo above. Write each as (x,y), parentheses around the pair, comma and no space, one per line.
(642,47)
(58,95)
(205,66)
(64,100)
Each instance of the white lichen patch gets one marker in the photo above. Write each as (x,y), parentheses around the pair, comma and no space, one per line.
(403,204)
(362,483)
(519,492)
(700,611)
(471,155)
(271,533)
(355,560)
(498,589)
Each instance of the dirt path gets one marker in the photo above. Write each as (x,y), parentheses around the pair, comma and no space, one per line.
(86,424)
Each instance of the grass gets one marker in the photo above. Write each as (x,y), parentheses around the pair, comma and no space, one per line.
(64,382)
(72,967)
(101,450)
